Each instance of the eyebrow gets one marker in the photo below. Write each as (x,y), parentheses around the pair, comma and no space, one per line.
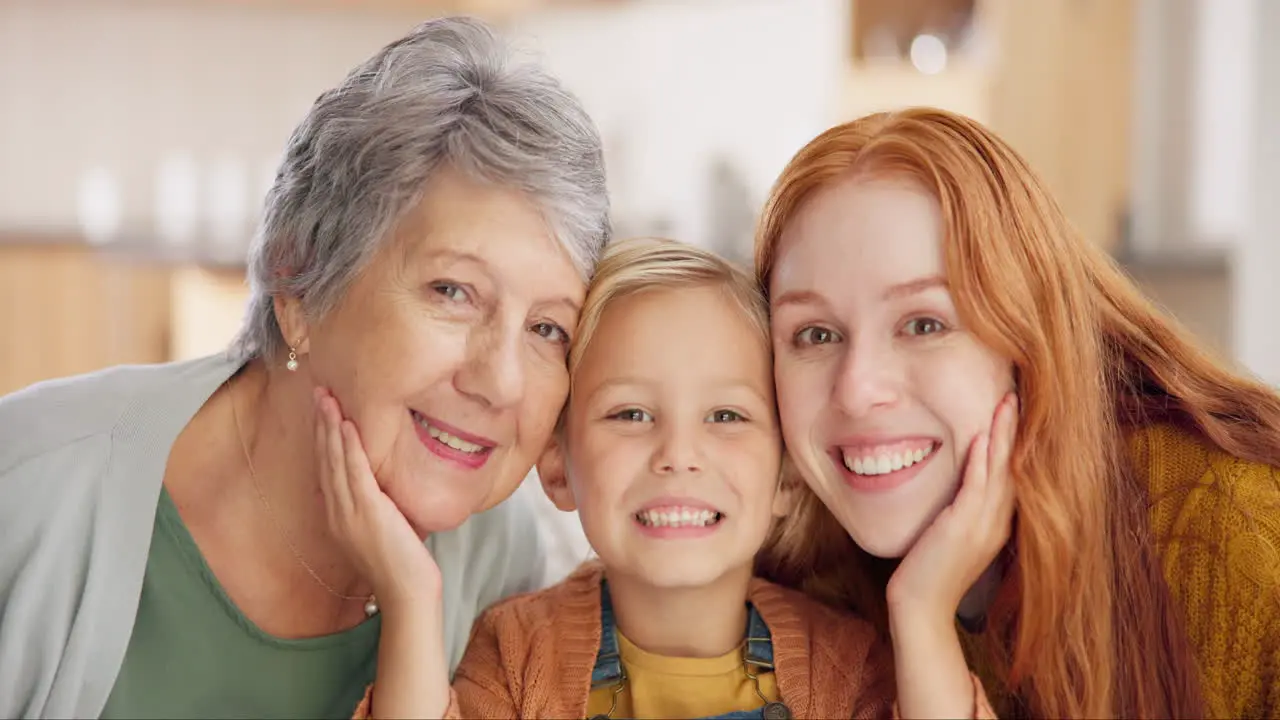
(456,256)
(569,303)
(906,289)
(798,297)
(629,381)
(913,287)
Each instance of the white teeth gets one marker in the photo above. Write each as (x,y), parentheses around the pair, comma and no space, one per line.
(884,463)
(678,517)
(447,439)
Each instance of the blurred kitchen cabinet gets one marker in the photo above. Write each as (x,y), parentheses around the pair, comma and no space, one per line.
(67,309)
(1062,94)
(1053,77)
(208,307)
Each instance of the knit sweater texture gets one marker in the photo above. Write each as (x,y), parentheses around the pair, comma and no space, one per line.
(531,656)
(1216,522)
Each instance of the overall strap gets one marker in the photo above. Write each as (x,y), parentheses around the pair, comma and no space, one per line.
(608,668)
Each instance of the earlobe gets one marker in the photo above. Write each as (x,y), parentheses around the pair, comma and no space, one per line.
(554,478)
(293,323)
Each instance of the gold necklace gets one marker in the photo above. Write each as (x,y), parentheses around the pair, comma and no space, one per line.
(370,601)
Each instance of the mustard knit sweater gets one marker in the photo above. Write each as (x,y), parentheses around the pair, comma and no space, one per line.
(1216,520)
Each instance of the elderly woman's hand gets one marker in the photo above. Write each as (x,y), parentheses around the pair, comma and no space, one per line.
(375,534)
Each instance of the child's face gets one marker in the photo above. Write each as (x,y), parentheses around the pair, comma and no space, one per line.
(673,449)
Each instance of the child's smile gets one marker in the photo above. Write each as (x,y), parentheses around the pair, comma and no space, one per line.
(678,518)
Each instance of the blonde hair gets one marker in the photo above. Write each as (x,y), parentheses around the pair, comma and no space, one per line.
(638,265)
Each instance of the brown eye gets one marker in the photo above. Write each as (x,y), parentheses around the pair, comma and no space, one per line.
(815,335)
(924,326)
(632,415)
(551,331)
(451,292)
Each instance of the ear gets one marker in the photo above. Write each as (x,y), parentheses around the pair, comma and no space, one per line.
(555,481)
(293,323)
(788,483)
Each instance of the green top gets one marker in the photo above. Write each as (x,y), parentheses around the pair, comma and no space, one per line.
(193,654)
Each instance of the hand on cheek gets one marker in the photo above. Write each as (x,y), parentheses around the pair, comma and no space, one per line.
(933,677)
(968,534)
(375,534)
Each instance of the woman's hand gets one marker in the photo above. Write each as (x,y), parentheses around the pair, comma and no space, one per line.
(933,677)
(413,672)
(965,538)
(375,534)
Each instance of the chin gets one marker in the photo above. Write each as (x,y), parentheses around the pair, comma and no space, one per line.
(678,574)
(435,512)
(889,543)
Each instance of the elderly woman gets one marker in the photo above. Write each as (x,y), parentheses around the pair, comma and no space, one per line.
(422,256)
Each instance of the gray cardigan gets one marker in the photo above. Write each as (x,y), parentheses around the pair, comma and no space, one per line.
(81,465)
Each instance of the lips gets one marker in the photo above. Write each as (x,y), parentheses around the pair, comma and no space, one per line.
(886,459)
(678,517)
(678,512)
(879,463)
(451,443)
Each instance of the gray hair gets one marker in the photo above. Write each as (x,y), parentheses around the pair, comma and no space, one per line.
(449,93)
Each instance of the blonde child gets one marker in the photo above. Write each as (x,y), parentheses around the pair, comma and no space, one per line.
(671,453)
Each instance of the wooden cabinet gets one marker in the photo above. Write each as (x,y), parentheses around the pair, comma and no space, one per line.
(208,307)
(67,309)
(1053,77)
(1062,94)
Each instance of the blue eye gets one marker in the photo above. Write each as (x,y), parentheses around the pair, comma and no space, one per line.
(924,326)
(551,331)
(726,416)
(815,335)
(451,292)
(632,415)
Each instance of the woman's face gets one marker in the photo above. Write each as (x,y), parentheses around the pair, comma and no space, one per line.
(448,352)
(881,389)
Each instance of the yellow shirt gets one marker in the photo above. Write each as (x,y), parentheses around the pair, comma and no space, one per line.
(679,687)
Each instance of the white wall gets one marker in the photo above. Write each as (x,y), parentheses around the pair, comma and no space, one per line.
(1223,83)
(121,87)
(673,83)
(124,84)
(1256,294)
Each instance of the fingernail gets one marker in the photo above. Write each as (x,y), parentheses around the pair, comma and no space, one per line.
(317,394)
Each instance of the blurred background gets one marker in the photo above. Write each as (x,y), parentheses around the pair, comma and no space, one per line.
(137,137)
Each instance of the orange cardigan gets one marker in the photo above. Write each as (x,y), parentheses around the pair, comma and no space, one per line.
(531,656)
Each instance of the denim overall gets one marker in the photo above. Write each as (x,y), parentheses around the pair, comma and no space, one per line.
(758,657)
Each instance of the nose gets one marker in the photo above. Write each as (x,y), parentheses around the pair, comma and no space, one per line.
(869,376)
(677,450)
(493,373)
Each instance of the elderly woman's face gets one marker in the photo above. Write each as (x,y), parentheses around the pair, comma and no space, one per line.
(449,351)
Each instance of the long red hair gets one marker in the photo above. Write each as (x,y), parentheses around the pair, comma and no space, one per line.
(1084,625)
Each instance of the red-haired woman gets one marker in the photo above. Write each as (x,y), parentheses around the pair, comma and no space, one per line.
(917,270)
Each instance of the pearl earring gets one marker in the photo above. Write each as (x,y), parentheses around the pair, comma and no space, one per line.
(292,365)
